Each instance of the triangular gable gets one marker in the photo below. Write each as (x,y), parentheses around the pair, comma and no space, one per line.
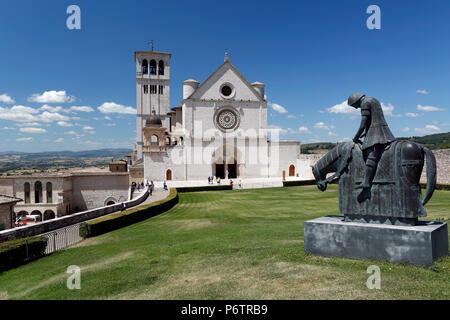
(226,73)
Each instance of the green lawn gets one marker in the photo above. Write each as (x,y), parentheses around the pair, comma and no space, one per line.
(226,245)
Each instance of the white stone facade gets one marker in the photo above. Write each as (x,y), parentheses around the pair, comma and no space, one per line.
(220,129)
(56,195)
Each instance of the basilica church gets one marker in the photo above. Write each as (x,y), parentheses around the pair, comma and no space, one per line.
(220,128)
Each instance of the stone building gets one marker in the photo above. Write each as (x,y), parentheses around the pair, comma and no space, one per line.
(55,195)
(219,129)
(118,166)
(7,217)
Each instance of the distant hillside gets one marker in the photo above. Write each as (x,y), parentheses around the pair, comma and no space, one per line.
(319,147)
(100,153)
(432,141)
(25,163)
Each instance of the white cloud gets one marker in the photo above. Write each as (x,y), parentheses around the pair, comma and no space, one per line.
(332,134)
(8,128)
(51,96)
(342,108)
(112,107)
(277,107)
(406,129)
(428,108)
(23,109)
(322,126)
(46,107)
(112,124)
(25,139)
(428,129)
(28,124)
(81,109)
(412,114)
(52,116)
(18,113)
(64,124)
(6,99)
(33,130)
(303,129)
(88,128)
(108,118)
(71,133)
(291,116)
(422,91)
(59,140)
(282,131)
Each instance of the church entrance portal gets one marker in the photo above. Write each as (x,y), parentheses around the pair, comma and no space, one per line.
(220,171)
(232,171)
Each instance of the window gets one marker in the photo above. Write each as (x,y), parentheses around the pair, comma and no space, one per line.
(38,192)
(153,88)
(145,88)
(154,140)
(145,67)
(160,89)
(226,91)
(161,67)
(26,189)
(152,67)
(49,192)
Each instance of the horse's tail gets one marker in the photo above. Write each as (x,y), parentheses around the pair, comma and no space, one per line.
(431,175)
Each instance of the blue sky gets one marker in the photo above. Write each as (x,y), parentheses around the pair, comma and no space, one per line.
(310,54)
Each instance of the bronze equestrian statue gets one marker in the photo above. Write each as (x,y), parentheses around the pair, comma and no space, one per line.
(379,178)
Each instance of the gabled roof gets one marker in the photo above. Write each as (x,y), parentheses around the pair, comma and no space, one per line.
(227,61)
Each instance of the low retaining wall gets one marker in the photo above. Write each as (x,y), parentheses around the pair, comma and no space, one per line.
(54,224)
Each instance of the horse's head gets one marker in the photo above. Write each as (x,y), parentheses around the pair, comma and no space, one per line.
(320,181)
(334,161)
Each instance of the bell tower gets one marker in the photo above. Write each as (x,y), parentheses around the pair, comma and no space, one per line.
(152,90)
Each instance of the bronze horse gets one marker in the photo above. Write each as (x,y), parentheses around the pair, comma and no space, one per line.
(395,196)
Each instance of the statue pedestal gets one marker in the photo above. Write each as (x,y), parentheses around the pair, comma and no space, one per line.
(420,245)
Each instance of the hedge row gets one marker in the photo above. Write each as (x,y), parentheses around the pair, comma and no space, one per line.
(128,217)
(438,186)
(299,183)
(205,188)
(17,252)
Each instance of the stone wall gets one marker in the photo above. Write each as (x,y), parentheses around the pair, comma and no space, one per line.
(304,164)
(443,166)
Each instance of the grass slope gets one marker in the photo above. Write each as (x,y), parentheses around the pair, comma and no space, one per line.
(225,245)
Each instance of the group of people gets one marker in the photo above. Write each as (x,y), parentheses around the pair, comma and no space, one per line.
(212,179)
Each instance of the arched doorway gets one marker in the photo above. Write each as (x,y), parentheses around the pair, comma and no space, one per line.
(110,201)
(284,175)
(168,175)
(37,213)
(225,162)
(49,214)
(291,170)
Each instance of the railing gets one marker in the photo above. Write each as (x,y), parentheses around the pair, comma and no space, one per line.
(62,238)
(56,224)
